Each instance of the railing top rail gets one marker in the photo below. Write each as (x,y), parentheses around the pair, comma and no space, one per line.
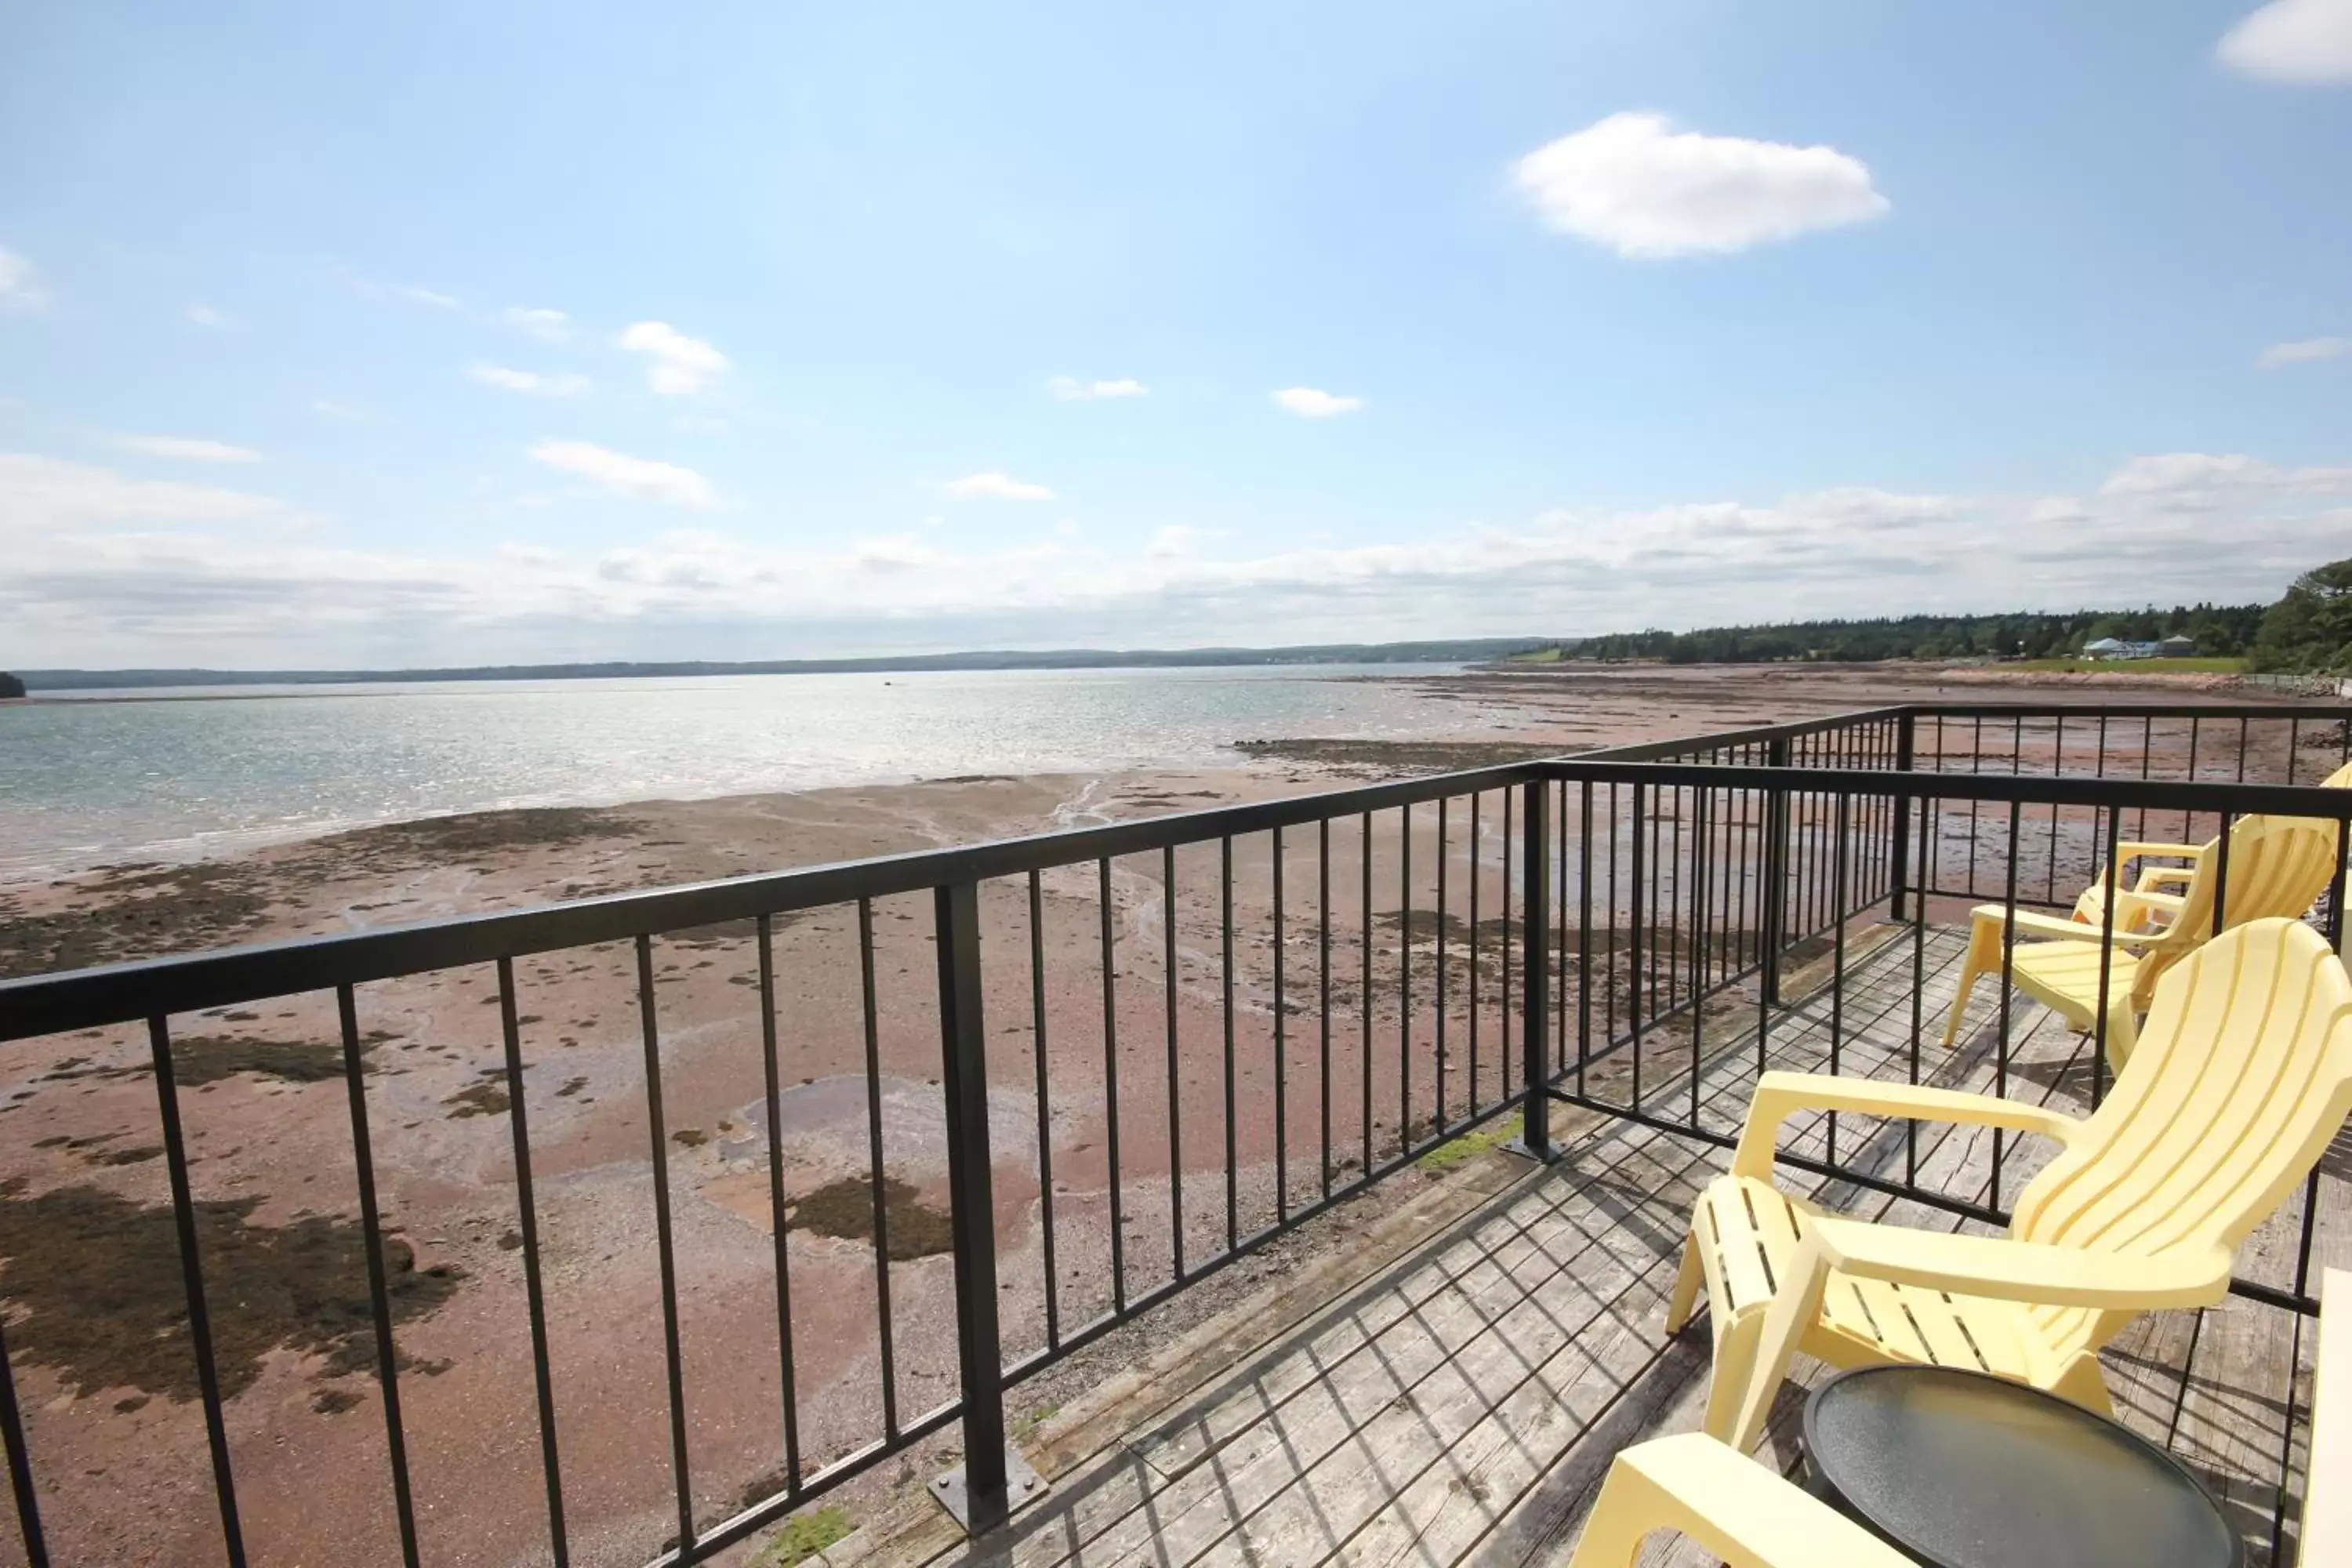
(2256,708)
(1724,739)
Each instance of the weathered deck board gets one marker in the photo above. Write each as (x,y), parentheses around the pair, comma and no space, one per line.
(1462,1406)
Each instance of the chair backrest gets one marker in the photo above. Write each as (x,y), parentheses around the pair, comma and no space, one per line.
(2277,868)
(2240,1078)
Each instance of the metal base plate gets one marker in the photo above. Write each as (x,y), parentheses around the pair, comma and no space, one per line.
(1542,1157)
(1022,1486)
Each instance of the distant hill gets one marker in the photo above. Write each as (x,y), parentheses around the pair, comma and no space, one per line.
(1468,650)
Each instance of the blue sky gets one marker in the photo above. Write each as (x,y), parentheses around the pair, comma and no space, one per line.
(477,333)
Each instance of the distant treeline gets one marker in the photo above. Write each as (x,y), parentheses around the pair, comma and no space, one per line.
(1465,650)
(2219,631)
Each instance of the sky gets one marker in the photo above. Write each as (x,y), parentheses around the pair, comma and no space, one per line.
(515,332)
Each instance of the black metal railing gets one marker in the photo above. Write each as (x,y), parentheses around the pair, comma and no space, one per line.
(1189,1033)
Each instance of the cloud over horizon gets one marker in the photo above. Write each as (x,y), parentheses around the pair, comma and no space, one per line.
(111,571)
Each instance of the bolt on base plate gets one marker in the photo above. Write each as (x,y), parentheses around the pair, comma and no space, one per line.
(1022,1486)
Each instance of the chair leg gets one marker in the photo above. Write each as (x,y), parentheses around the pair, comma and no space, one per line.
(1984,953)
(1735,1365)
(2123,1034)
(1796,1308)
(1687,1280)
(2084,1383)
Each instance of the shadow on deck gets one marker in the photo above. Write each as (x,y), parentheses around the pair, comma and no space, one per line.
(1462,1406)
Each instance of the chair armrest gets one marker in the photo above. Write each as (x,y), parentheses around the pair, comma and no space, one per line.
(1738,1509)
(1780,1094)
(2155,876)
(2022,1270)
(2028,924)
(2133,849)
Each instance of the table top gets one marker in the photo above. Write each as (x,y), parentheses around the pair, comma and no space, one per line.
(1964,1470)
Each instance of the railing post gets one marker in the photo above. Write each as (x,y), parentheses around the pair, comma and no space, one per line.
(1906,736)
(1534,952)
(1776,871)
(979,1492)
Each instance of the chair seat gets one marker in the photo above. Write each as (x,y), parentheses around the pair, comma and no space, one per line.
(2064,975)
(1747,1231)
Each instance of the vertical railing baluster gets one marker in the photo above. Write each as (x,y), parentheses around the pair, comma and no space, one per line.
(1404,978)
(1698,945)
(1439,1089)
(387,1367)
(1476,1098)
(1110,1084)
(673,1352)
(1636,940)
(1774,893)
(2108,891)
(1535,1110)
(1233,1147)
(2008,980)
(1905,743)
(1583,931)
(771,1072)
(1323,978)
(971,1208)
(192,1282)
(1364,1010)
(1044,1111)
(1281,1053)
(875,1177)
(1841,861)
(20,1465)
(1168,962)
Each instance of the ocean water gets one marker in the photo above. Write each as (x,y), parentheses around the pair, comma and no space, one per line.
(191,771)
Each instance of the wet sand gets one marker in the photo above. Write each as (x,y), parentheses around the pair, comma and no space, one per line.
(95,1325)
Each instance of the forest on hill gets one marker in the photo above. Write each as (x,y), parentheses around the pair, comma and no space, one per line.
(2219,631)
(2308,630)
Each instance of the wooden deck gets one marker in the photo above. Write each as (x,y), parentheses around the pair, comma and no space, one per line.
(1460,1406)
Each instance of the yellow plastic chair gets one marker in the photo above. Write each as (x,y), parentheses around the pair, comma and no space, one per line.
(2243,1075)
(1748,1515)
(2155,898)
(2278,866)
(1736,1509)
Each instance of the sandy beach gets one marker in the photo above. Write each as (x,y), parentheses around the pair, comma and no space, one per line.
(85,1222)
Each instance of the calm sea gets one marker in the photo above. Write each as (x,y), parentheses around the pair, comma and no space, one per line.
(211,770)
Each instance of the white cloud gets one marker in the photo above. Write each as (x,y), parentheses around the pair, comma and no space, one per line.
(548,326)
(2200,480)
(18,288)
(2308,41)
(1634,183)
(1312,403)
(997,486)
(2305,349)
(433,297)
(206,316)
(680,364)
(642,477)
(188,448)
(1070,389)
(104,568)
(539,384)
(43,497)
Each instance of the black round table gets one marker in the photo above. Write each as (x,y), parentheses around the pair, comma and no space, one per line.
(1962,1470)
